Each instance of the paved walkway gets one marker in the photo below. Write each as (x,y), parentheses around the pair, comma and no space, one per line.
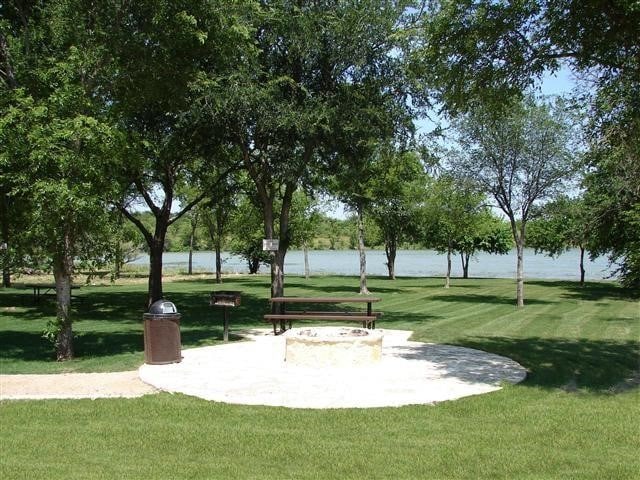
(255,373)
(73,385)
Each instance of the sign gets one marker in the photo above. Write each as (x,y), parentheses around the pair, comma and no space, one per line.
(270,244)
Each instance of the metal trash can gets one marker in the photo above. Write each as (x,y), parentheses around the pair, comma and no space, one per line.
(162,334)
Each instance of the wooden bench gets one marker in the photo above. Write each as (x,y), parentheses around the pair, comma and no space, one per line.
(367,319)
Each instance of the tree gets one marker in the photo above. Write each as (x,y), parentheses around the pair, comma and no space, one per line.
(487,233)
(61,158)
(484,51)
(450,214)
(612,194)
(216,213)
(283,109)
(519,157)
(558,226)
(398,187)
(151,41)
(246,237)
(305,221)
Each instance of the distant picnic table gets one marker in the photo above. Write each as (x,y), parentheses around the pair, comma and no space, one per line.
(366,318)
(42,289)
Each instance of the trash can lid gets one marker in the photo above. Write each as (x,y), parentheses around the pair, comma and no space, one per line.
(162,306)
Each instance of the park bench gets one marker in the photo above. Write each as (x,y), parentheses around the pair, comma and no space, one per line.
(285,317)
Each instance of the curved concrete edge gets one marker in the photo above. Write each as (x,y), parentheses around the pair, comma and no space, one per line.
(255,373)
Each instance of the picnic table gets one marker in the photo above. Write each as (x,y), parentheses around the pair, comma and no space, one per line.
(42,289)
(367,318)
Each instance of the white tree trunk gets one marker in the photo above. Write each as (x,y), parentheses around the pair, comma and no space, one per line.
(447,282)
(306,261)
(363,256)
(520,272)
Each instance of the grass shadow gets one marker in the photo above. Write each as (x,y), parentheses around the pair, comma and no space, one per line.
(571,365)
(590,291)
(488,299)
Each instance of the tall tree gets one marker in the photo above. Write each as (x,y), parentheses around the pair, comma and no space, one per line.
(62,158)
(285,107)
(519,157)
(160,51)
(485,51)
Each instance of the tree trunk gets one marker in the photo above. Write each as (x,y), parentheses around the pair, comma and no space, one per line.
(582,272)
(277,273)
(520,271)
(447,282)
(118,259)
(390,249)
(305,249)
(519,238)
(155,270)
(4,242)
(363,256)
(254,265)
(192,238)
(218,263)
(465,264)
(62,272)
(218,243)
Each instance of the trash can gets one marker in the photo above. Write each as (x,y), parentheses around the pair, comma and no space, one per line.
(162,334)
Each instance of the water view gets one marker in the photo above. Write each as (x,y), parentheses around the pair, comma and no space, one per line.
(409,263)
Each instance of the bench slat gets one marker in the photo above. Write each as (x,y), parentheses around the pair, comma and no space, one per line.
(329,312)
(323,316)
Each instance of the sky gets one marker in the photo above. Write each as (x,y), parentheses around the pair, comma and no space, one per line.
(560,83)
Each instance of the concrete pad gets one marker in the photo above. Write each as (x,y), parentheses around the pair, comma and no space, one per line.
(255,373)
(73,385)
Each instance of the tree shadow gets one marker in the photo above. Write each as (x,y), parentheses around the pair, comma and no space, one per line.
(571,365)
(489,299)
(590,290)
(109,322)
(27,346)
(354,290)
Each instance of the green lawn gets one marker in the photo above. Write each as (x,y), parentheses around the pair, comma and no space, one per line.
(576,416)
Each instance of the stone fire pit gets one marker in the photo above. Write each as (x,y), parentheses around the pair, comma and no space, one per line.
(332,346)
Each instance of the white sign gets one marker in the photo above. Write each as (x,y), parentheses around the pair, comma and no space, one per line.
(270,244)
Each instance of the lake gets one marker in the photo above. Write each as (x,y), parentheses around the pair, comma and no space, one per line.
(409,263)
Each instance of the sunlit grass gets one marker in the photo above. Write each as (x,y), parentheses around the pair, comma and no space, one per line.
(575,416)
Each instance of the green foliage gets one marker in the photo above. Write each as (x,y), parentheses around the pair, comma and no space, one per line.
(247,232)
(397,191)
(558,226)
(305,219)
(483,52)
(612,196)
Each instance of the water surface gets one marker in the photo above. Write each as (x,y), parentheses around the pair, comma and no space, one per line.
(409,263)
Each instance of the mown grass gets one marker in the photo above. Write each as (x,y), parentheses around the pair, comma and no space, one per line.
(575,416)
